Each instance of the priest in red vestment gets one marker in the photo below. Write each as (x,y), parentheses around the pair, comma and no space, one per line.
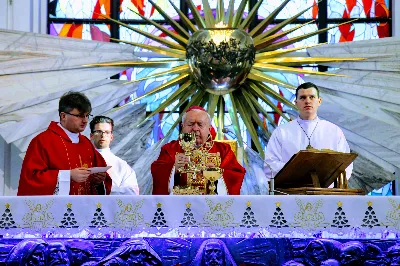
(164,169)
(57,160)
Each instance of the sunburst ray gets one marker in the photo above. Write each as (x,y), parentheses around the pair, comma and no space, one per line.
(246,22)
(284,69)
(284,43)
(178,38)
(144,64)
(299,61)
(228,19)
(265,22)
(254,113)
(182,100)
(201,24)
(178,80)
(160,50)
(220,14)
(172,71)
(281,25)
(249,124)
(175,25)
(282,52)
(212,103)
(178,93)
(259,108)
(208,15)
(262,43)
(237,18)
(260,76)
(186,21)
(270,92)
(149,35)
(258,92)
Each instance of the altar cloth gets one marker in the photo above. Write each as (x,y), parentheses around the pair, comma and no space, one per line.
(347,217)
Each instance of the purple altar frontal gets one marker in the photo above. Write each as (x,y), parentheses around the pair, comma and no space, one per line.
(200,230)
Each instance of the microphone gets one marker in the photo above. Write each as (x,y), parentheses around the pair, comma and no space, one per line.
(272,180)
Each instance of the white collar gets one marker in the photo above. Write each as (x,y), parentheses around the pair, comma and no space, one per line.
(105,150)
(302,121)
(74,137)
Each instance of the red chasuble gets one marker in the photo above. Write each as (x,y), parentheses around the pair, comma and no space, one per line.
(161,168)
(51,151)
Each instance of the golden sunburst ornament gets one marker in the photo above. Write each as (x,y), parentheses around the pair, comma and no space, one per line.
(220,63)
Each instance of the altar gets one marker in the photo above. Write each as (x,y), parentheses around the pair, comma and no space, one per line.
(175,230)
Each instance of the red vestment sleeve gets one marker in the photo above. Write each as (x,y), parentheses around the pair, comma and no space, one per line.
(233,172)
(161,171)
(36,177)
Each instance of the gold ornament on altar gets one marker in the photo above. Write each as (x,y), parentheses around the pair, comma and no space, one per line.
(198,174)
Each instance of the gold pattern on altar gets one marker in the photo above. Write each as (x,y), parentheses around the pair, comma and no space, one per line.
(129,217)
(219,216)
(393,215)
(38,216)
(309,216)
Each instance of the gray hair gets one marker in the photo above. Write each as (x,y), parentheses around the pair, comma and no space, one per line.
(195,110)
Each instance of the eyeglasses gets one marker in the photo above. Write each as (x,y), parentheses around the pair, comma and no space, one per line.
(100,132)
(88,116)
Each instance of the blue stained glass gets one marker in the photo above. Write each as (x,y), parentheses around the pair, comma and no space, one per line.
(292,8)
(161,127)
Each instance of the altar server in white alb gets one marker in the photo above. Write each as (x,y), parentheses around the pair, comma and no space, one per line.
(307,129)
(123,177)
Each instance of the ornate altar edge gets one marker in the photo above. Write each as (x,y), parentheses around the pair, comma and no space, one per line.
(346,217)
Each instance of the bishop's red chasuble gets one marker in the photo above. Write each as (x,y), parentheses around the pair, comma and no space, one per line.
(233,174)
(51,151)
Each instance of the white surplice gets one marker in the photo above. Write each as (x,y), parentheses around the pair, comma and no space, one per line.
(289,138)
(123,177)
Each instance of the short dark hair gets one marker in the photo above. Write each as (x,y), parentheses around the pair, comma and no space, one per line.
(307,85)
(101,119)
(71,100)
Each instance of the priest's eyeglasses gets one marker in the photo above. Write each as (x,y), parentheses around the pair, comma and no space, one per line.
(100,132)
(88,116)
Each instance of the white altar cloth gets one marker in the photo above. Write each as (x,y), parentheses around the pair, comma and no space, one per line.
(200,216)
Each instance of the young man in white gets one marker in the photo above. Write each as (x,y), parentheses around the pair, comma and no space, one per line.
(307,129)
(123,177)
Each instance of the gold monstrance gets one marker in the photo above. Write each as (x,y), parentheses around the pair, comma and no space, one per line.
(198,174)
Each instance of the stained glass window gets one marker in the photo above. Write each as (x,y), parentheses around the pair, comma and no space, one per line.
(293,7)
(358,31)
(98,32)
(358,9)
(146,9)
(213,4)
(79,9)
